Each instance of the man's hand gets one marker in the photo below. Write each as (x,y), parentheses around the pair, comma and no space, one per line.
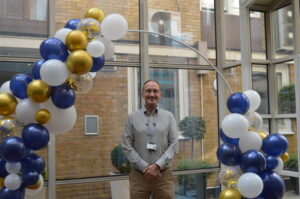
(152,172)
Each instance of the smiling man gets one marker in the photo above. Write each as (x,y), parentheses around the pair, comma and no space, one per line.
(149,142)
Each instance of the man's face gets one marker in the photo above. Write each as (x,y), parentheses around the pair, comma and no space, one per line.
(151,93)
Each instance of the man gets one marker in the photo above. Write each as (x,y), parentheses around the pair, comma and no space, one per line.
(149,142)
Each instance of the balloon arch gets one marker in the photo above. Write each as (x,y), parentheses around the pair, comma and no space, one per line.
(44,103)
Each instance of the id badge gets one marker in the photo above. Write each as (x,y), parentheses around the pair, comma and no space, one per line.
(151,146)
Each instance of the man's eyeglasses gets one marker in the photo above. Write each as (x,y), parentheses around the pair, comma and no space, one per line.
(150,90)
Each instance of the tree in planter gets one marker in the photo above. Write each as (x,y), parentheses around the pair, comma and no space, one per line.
(192,128)
(119,160)
(286,99)
(292,165)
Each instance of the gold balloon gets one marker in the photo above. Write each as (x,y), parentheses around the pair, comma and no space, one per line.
(251,128)
(1,183)
(230,193)
(36,186)
(262,134)
(8,104)
(42,116)
(79,62)
(76,40)
(95,13)
(285,157)
(38,91)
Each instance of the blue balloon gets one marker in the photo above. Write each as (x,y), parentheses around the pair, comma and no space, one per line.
(13,149)
(229,154)
(227,139)
(275,145)
(238,103)
(30,178)
(35,136)
(63,96)
(253,161)
(98,63)
(274,187)
(33,162)
(37,68)
(272,162)
(53,48)
(18,85)
(72,24)
(3,171)
(8,194)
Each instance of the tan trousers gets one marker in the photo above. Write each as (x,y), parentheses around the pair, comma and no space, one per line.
(141,188)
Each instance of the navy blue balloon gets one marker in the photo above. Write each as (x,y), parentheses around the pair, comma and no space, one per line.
(274,187)
(37,68)
(16,194)
(98,63)
(63,96)
(238,103)
(272,162)
(18,85)
(72,24)
(3,171)
(33,162)
(229,154)
(227,139)
(253,161)
(53,48)
(13,149)
(30,178)
(35,136)
(275,145)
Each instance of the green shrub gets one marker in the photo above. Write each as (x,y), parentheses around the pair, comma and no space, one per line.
(192,127)
(286,99)
(292,163)
(119,160)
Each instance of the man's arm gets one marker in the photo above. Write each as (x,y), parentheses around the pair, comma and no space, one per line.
(128,147)
(172,142)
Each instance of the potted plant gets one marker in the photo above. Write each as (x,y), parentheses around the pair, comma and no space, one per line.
(197,181)
(119,188)
(192,128)
(292,165)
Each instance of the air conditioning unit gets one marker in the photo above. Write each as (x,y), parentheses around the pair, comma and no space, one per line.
(283,29)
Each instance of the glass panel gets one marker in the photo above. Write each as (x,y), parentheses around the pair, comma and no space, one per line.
(190,186)
(283,32)
(234,78)
(9,69)
(292,187)
(266,126)
(28,17)
(285,87)
(127,48)
(258,36)
(232,30)
(182,21)
(260,84)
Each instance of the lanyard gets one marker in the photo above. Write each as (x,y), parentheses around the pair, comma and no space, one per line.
(151,125)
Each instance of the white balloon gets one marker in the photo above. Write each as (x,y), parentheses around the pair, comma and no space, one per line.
(12,182)
(25,111)
(109,47)
(255,120)
(235,125)
(93,74)
(279,166)
(250,140)
(62,120)
(31,192)
(5,87)
(95,48)
(114,26)
(62,33)
(250,185)
(254,99)
(54,72)
(13,167)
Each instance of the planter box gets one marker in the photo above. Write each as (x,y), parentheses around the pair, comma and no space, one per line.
(40,195)
(119,189)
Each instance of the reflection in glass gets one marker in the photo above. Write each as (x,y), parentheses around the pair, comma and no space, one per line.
(9,69)
(260,84)
(257,27)
(234,78)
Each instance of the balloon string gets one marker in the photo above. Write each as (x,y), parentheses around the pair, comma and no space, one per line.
(193,49)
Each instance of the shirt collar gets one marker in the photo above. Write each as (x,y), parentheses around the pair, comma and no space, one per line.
(155,111)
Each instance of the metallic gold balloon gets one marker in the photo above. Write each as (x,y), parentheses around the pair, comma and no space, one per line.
(76,40)
(1,183)
(38,91)
(8,104)
(36,186)
(95,13)
(285,157)
(262,134)
(230,193)
(79,62)
(42,116)
(251,128)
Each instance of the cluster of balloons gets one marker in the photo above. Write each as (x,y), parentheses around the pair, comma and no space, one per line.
(250,157)
(44,102)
